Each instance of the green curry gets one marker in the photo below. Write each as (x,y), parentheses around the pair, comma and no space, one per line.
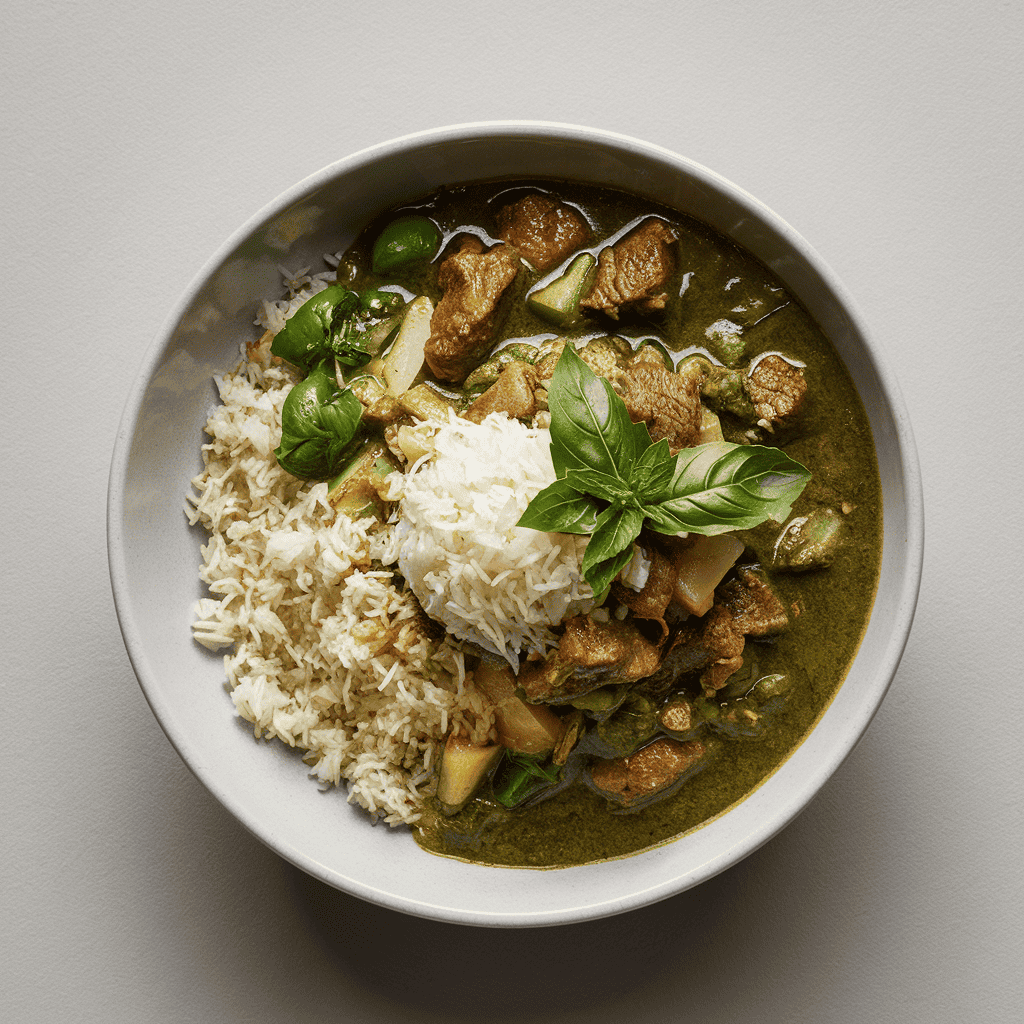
(712,314)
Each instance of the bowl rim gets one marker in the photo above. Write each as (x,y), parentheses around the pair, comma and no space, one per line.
(905,600)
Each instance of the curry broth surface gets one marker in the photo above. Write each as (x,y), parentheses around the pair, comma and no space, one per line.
(829,607)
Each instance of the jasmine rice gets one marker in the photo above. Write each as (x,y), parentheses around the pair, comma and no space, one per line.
(328,648)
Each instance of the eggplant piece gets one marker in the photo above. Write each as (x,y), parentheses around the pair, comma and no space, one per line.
(633,724)
(487,373)
(523,728)
(810,541)
(559,302)
(422,402)
(464,767)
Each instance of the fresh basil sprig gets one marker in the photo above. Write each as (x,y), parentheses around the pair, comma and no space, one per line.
(612,480)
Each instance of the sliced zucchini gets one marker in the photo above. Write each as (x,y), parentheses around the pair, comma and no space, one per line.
(559,302)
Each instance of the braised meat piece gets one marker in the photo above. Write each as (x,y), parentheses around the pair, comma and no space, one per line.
(756,610)
(724,643)
(653,770)
(590,654)
(652,600)
(634,270)
(543,230)
(669,403)
(712,646)
(776,388)
(463,322)
(513,393)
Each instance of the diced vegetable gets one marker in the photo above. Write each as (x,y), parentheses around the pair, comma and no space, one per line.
(405,358)
(722,388)
(635,722)
(809,542)
(559,302)
(412,442)
(701,567)
(424,403)
(356,491)
(726,342)
(524,728)
(487,373)
(464,767)
(366,388)
(407,240)
(573,726)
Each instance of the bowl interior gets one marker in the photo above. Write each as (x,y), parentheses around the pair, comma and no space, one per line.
(154,554)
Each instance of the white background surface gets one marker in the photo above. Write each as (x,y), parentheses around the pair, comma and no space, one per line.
(135,139)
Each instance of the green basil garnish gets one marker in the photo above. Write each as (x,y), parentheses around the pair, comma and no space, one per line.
(612,480)
(338,322)
(319,420)
(519,776)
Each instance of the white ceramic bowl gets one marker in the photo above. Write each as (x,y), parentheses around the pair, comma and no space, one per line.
(154,554)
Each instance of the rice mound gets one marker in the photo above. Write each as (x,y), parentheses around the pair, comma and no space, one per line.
(501,586)
(328,653)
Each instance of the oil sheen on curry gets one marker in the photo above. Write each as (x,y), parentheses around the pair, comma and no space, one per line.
(709,652)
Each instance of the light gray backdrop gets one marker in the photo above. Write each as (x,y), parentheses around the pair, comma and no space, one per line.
(135,138)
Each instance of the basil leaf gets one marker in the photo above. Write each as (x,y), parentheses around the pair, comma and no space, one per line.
(652,473)
(590,427)
(335,321)
(559,508)
(722,487)
(611,546)
(600,485)
(600,455)
(303,338)
(318,424)
(519,776)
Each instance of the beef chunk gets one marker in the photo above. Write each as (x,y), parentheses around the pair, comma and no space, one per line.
(542,229)
(634,270)
(589,655)
(756,611)
(713,646)
(652,600)
(463,322)
(776,388)
(652,771)
(513,393)
(669,403)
